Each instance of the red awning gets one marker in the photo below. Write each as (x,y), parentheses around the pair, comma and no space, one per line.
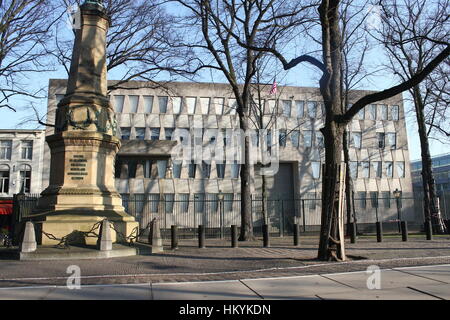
(6,207)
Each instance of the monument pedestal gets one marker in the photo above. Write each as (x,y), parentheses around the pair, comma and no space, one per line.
(81,192)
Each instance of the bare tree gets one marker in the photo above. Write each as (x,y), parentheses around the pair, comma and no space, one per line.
(330,66)
(222,26)
(24,35)
(142,43)
(413,32)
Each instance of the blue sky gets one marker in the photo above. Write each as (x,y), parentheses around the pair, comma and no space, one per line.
(300,76)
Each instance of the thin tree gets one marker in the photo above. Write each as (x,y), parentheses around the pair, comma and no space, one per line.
(413,32)
(222,24)
(336,119)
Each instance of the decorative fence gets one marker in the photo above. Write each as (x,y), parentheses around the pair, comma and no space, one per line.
(218,214)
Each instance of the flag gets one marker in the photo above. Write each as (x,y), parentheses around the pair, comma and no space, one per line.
(274,88)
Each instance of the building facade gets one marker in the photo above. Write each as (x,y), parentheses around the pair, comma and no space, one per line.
(150,121)
(21,161)
(441,170)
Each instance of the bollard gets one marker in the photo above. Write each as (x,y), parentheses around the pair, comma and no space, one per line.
(404,225)
(296,235)
(265,230)
(201,236)
(174,233)
(234,237)
(429,229)
(353,232)
(379,231)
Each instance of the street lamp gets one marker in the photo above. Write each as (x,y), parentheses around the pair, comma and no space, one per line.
(397,194)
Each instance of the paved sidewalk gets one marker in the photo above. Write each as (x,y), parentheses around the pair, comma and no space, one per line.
(220,262)
(410,283)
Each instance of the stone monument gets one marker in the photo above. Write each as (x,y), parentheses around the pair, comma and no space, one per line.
(81,192)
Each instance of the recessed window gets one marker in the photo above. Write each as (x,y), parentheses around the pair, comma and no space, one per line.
(389,169)
(154,133)
(353,165)
(168,133)
(118,103)
(365,169)
(381,140)
(125,133)
(300,105)
(4,179)
(400,169)
(5,149)
(361,114)
(134,102)
(218,105)
(392,140)
(148,104)
(176,169)
(307,138)
(140,133)
(25,178)
(162,104)
(395,113)
(315,169)
(190,102)
(235,168)
(312,109)
(287,105)
(295,137)
(204,105)
(27,149)
(320,142)
(372,114)
(384,112)
(177,104)
(376,165)
(220,167)
(356,140)
(162,168)
(282,138)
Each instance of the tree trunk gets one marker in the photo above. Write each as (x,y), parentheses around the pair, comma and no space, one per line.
(348,185)
(430,203)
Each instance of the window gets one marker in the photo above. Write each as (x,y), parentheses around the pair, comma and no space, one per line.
(176,169)
(389,171)
(362,198)
(153,199)
(148,104)
(220,170)
(282,138)
(154,133)
(27,149)
(199,202)
(140,133)
(372,114)
(295,135)
(374,199)
(395,113)
(356,140)
(300,108)
(168,202)
(204,105)
(125,133)
(147,169)
(400,169)
(235,167)
(287,105)
(162,104)
(118,103)
(232,106)
(4,179)
(176,103)
(376,165)
(184,202)
(25,178)
(132,166)
(315,169)
(190,102)
(5,149)
(206,170)
(386,195)
(269,138)
(365,169)
(381,140)
(320,142)
(307,139)
(361,114)
(218,104)
(134,102)
(228,199)
(353,165)
(312,109)
(162,168)
(271,107)
(169,133)
(191,169)
(384,112)
(391,140)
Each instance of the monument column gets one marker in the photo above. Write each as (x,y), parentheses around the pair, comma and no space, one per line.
(84,145)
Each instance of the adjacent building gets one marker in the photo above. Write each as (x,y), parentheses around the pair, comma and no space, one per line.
(148,119)
(21,161)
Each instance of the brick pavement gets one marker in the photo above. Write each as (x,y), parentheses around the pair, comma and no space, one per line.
(220,262)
